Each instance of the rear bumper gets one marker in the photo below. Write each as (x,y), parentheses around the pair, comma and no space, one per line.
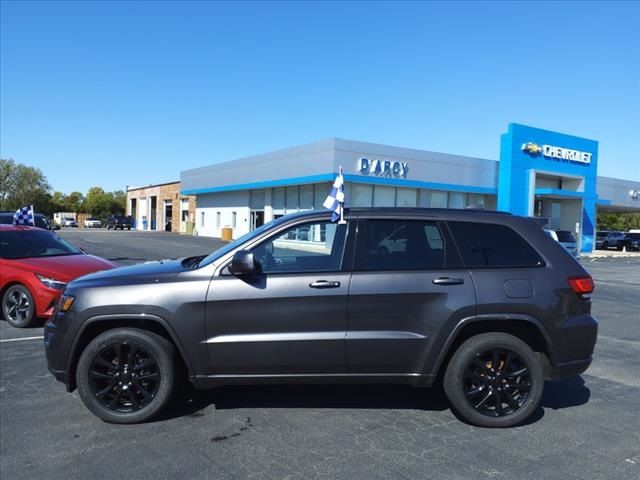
(569,369)
(577,341)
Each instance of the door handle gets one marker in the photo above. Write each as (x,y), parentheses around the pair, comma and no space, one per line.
(324,284)
(448,281)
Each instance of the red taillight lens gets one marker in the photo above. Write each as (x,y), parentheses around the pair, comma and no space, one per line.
(581,285)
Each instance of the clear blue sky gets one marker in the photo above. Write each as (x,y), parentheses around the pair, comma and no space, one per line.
(116,93)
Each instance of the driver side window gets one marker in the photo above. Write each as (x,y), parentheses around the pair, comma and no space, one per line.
(310,247)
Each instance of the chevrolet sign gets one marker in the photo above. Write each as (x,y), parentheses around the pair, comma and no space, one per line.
(559,153)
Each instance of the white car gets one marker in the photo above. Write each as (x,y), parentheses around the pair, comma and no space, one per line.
(69,222)
(92,223)
(565,238)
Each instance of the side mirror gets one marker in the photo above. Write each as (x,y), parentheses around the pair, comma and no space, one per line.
(243,263)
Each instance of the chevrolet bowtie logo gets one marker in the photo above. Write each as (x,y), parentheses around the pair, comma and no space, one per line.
(532,148)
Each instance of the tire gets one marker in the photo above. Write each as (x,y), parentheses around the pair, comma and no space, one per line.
(469,375)
(138,400)
(619,246)
(18,307)
(129,228)
(605,245)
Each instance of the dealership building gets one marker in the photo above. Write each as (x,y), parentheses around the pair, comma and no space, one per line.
(539,173)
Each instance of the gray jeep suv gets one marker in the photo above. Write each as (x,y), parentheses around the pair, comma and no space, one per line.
(484,300)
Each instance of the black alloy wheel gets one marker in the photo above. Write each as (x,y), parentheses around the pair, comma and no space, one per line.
(497,382)
(494,380)
(18,307)
(126,375)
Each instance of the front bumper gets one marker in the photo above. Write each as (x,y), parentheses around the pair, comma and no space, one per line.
(57,346)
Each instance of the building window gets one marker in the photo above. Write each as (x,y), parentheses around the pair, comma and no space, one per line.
(384,196)
(456,200)
(320,194)
(218,219)
(233,219)
(292,199)
(475,199)
(257,199)
(406,197)
(202,219)
(306,197)
(361,195)
(438,199)
(278,201)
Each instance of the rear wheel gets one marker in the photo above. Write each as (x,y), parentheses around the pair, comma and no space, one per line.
(126,375)
(605,245)
(494,380)
(18,307)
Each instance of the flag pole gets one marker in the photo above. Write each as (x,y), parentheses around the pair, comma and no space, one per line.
(342,220)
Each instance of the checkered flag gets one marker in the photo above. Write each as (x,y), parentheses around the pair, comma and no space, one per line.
(24,216)
(335,199)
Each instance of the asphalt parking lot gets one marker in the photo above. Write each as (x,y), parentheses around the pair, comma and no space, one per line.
(588,426)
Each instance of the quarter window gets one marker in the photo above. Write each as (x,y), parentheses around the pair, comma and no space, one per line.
(489,245)
(311,247)
(400,245)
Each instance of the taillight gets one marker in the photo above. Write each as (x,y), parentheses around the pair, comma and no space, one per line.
(581,285)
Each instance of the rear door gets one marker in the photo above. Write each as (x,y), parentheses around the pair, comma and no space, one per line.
(406,284)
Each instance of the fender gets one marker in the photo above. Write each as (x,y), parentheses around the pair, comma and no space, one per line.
(490,316)
(134,316)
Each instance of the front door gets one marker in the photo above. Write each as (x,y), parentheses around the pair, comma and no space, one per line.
(401,295)
(290,318)
(256,219)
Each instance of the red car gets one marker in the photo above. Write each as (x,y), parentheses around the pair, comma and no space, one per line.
(35,266)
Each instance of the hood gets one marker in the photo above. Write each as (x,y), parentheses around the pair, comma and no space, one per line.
(65,267)
(160,271)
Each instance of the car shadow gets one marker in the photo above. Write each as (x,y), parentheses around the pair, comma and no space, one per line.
(571,392)
(189,402)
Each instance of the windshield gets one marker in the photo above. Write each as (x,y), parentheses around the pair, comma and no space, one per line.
(17,244)
(236,243)
(565,236)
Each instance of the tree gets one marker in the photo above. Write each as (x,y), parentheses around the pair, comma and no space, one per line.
(101,204)
(74,202)
(22,185)
(618,221)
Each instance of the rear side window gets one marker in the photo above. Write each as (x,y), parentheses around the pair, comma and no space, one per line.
(400,245)
(489,245)
(566,236)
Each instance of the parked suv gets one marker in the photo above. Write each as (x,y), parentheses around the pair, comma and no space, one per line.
(632,241)
(606,240)
(119,221)
(486,301)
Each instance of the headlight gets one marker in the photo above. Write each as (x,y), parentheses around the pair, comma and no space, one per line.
(51,282)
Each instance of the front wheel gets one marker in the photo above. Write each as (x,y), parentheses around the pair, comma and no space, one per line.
(494,380)
(18,307)
(126,375)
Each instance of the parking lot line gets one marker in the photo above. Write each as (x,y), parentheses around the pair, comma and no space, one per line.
(21,339)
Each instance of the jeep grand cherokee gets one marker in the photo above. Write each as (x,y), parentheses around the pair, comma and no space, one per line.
(485,300)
